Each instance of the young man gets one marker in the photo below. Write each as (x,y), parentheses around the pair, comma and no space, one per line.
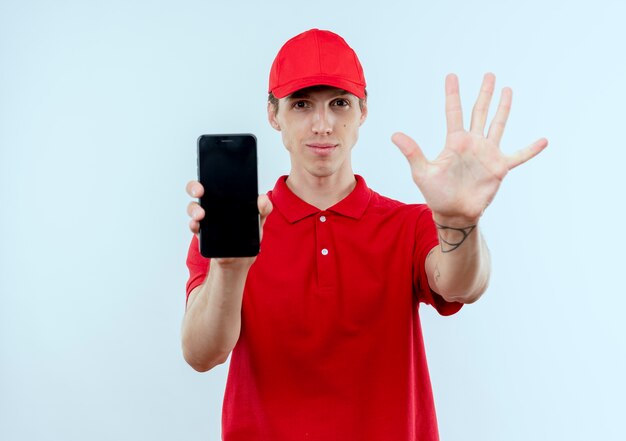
(323,324)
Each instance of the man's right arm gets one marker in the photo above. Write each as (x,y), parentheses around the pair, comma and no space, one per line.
(212,320)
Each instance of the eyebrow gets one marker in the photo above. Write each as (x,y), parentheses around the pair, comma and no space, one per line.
(306,94)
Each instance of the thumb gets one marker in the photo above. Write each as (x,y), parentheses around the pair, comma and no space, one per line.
(265,206)
(410,150)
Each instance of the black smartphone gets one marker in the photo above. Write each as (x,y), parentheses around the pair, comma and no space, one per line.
(227,169)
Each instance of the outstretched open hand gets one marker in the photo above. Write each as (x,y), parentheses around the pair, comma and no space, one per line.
(466,175)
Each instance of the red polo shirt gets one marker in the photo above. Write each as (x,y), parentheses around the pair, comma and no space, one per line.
(331,345)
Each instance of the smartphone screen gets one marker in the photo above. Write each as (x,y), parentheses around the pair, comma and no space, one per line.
(227,169)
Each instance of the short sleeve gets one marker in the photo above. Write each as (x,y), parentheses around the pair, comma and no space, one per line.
(426,239)
(197,264)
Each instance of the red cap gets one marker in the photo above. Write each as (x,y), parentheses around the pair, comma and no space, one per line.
(316,58)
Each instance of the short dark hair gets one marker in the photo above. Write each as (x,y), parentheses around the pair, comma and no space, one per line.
(274,101)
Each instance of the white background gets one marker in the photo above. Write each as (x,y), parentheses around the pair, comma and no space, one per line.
(100,107)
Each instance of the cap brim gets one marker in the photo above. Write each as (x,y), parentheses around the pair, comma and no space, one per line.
(319,80)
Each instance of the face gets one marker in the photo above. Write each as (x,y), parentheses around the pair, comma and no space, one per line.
(319,127)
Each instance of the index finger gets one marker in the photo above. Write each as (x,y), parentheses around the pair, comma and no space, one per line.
(454,113)
(194,189)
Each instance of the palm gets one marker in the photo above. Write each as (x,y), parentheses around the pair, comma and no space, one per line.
(463,180)
(464,177)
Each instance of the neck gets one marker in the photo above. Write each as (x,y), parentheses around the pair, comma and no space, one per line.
(321,192)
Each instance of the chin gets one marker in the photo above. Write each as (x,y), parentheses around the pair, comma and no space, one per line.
(322,172)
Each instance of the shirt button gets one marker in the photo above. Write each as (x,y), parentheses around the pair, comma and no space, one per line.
(323,218)
(324,252)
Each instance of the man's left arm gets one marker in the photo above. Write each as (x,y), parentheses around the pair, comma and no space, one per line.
(459,267)
(459,185)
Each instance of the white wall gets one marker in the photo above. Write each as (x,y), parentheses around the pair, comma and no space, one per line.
(100,107)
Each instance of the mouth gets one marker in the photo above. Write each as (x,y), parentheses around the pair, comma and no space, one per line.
(322,149)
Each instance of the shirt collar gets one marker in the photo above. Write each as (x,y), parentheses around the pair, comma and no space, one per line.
(295,209)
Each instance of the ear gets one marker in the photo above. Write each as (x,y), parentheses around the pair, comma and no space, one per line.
(271,116)
(363,113)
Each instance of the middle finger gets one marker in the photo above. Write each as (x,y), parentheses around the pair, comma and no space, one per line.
(195,211)
(481,108)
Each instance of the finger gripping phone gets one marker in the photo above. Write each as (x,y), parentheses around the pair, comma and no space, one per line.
(227,169)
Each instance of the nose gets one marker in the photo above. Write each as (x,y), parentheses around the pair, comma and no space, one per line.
(322,122)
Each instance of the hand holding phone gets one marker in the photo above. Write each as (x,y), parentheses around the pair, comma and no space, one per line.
(227,172)
(196,212)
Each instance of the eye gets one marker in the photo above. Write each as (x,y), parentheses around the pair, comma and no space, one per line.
(341,102)
(300,104)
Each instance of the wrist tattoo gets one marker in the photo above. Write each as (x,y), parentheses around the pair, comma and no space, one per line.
(448,246)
